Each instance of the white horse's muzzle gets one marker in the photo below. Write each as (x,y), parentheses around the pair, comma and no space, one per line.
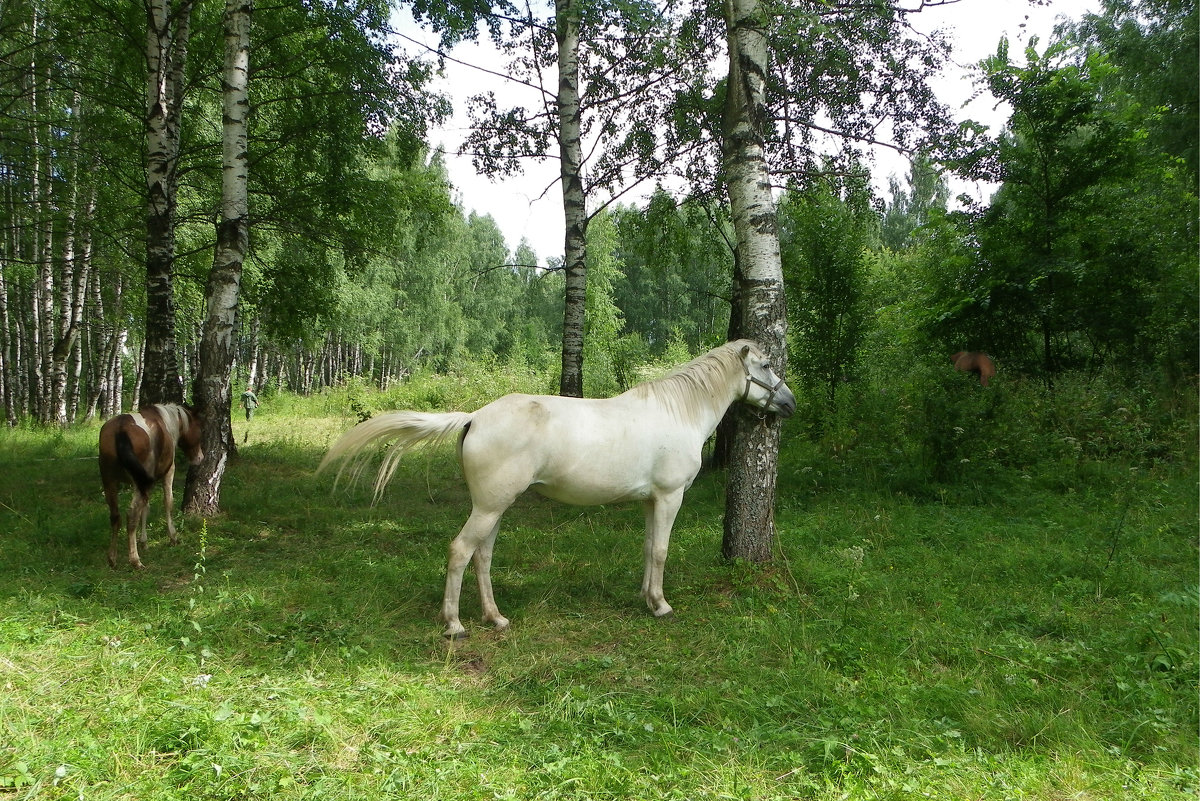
(779,397)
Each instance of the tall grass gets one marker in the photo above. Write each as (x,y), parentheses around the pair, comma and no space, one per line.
(1022,626)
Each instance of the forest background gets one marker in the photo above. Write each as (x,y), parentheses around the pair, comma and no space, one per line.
(362,265)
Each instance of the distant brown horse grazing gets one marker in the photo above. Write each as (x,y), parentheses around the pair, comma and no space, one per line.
(140,448)
(974,362)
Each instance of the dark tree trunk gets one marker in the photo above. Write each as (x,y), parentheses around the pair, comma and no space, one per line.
(166,52)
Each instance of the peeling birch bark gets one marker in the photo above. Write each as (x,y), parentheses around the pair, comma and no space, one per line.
(574,197)
(167,35)
(749,526)
(213,393)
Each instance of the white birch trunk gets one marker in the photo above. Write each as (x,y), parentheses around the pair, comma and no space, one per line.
(109,343)
(40,332)
(139,371)
(574,197)
(83,279)
(65,329)
(202,493)
(167,37)
(254,363)
(97,366)
(750,495)
(7,395)
(116,381)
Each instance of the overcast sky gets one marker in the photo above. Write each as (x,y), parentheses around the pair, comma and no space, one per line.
(530,206)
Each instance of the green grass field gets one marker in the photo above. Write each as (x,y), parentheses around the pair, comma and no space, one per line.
(1029,636)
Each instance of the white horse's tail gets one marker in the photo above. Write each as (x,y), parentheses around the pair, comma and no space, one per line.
(404,430)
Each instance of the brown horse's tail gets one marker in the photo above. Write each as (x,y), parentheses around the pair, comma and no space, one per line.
(132,464)
(404,430)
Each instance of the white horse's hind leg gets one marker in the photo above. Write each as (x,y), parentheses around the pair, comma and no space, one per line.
(480,526)
(483,574)
(660,517)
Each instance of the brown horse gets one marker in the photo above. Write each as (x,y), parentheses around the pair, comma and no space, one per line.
(140,448)
(974,362)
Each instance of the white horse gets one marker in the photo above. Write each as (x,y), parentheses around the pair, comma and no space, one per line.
(643,445)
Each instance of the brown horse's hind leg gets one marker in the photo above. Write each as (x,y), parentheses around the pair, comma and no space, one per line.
(136,526)
(168,483)
(114,520)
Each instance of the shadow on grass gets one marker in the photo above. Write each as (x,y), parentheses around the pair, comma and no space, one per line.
(294,567)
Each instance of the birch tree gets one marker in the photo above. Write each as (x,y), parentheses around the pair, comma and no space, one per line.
(570,147)
(843,79)
(73,276)
(749,528)
(167,34)
(212,392)
(617,67)
(42,328)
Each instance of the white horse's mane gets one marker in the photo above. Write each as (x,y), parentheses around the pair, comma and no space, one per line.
(693,390)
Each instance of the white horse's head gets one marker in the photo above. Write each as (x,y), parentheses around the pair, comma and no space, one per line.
(764,388)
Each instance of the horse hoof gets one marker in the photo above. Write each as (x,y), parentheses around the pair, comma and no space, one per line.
(455,636)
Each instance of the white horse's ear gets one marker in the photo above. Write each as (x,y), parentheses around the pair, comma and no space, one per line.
(745,351)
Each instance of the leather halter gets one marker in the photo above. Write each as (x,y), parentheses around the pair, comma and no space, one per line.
(772,389)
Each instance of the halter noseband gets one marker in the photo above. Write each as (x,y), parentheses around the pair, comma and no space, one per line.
(772,390)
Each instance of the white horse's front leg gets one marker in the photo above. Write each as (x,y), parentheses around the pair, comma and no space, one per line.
(483,574)
(462,548)
(660,517)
